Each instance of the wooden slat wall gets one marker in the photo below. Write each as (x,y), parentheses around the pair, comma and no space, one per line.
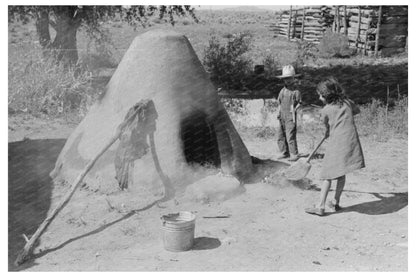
(310,23)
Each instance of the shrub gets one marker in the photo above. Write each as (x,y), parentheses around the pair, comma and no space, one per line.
(186,22)
(271,66)
(226,63)
(266,132)
(40,85)
(306,51)
(158,20)
(99,54)
(334,45)
(234,105)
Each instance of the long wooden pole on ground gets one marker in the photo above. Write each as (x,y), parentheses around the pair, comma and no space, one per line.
(28,248)
(380,11)
(289,23)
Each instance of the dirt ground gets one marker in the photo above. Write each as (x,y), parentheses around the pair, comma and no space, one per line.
(266,228)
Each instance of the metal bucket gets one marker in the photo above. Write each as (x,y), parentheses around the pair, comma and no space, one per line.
(178,231)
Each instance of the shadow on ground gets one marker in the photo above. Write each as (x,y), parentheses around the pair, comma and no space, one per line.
(206,243)
(385,204)
(30,190)
(96,231)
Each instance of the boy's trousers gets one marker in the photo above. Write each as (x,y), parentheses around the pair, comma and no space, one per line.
(286,134)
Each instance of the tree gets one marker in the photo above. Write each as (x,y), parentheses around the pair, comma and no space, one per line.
(66,21)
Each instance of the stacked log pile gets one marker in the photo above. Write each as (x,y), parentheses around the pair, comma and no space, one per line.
(359,23)
(314,25)
(304,23)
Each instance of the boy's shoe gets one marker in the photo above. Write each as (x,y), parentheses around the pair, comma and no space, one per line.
(282,156)
(293,158)
(315,211)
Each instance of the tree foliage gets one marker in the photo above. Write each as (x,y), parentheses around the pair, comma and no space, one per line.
(66,21)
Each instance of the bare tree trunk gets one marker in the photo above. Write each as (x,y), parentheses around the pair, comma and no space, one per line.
(65,41)
(42,27)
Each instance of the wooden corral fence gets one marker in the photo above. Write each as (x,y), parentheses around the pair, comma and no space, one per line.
(368,28)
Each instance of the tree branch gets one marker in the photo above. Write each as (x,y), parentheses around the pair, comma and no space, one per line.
(52,23)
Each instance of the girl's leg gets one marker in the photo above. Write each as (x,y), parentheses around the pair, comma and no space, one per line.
(339,189)
(326,185)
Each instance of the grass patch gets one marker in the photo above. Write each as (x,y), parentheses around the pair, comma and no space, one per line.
(381,123)
(40,85)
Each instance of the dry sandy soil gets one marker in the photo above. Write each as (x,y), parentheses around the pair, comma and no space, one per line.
(267,228)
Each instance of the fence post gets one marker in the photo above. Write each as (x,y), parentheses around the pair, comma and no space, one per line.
(387,104)
(345,21)
(303,24)
(334,26)
(365,43)
(294,24)
(359,27)
(338,20)
(380,11)
(398,91)
(289,23)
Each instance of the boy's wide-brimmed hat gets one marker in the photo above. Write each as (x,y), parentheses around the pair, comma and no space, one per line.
(288,71)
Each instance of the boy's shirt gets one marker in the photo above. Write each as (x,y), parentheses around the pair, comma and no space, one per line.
(288,100)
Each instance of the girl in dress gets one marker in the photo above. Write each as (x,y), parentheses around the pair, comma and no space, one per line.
(343,153)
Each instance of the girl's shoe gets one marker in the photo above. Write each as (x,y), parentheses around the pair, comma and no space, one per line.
(293,158)
(315,211)
(282,156)
(334,206)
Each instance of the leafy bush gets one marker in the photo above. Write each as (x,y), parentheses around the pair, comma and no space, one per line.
(40,85)
(226,63)
(334,45)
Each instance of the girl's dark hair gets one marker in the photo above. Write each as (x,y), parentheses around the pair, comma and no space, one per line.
(331,90)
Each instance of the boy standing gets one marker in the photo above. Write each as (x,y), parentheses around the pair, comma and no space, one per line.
(289,101)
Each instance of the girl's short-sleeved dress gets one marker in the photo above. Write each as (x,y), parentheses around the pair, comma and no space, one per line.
(343,153)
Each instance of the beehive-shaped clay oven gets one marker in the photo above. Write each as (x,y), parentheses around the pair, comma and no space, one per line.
(193,129)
